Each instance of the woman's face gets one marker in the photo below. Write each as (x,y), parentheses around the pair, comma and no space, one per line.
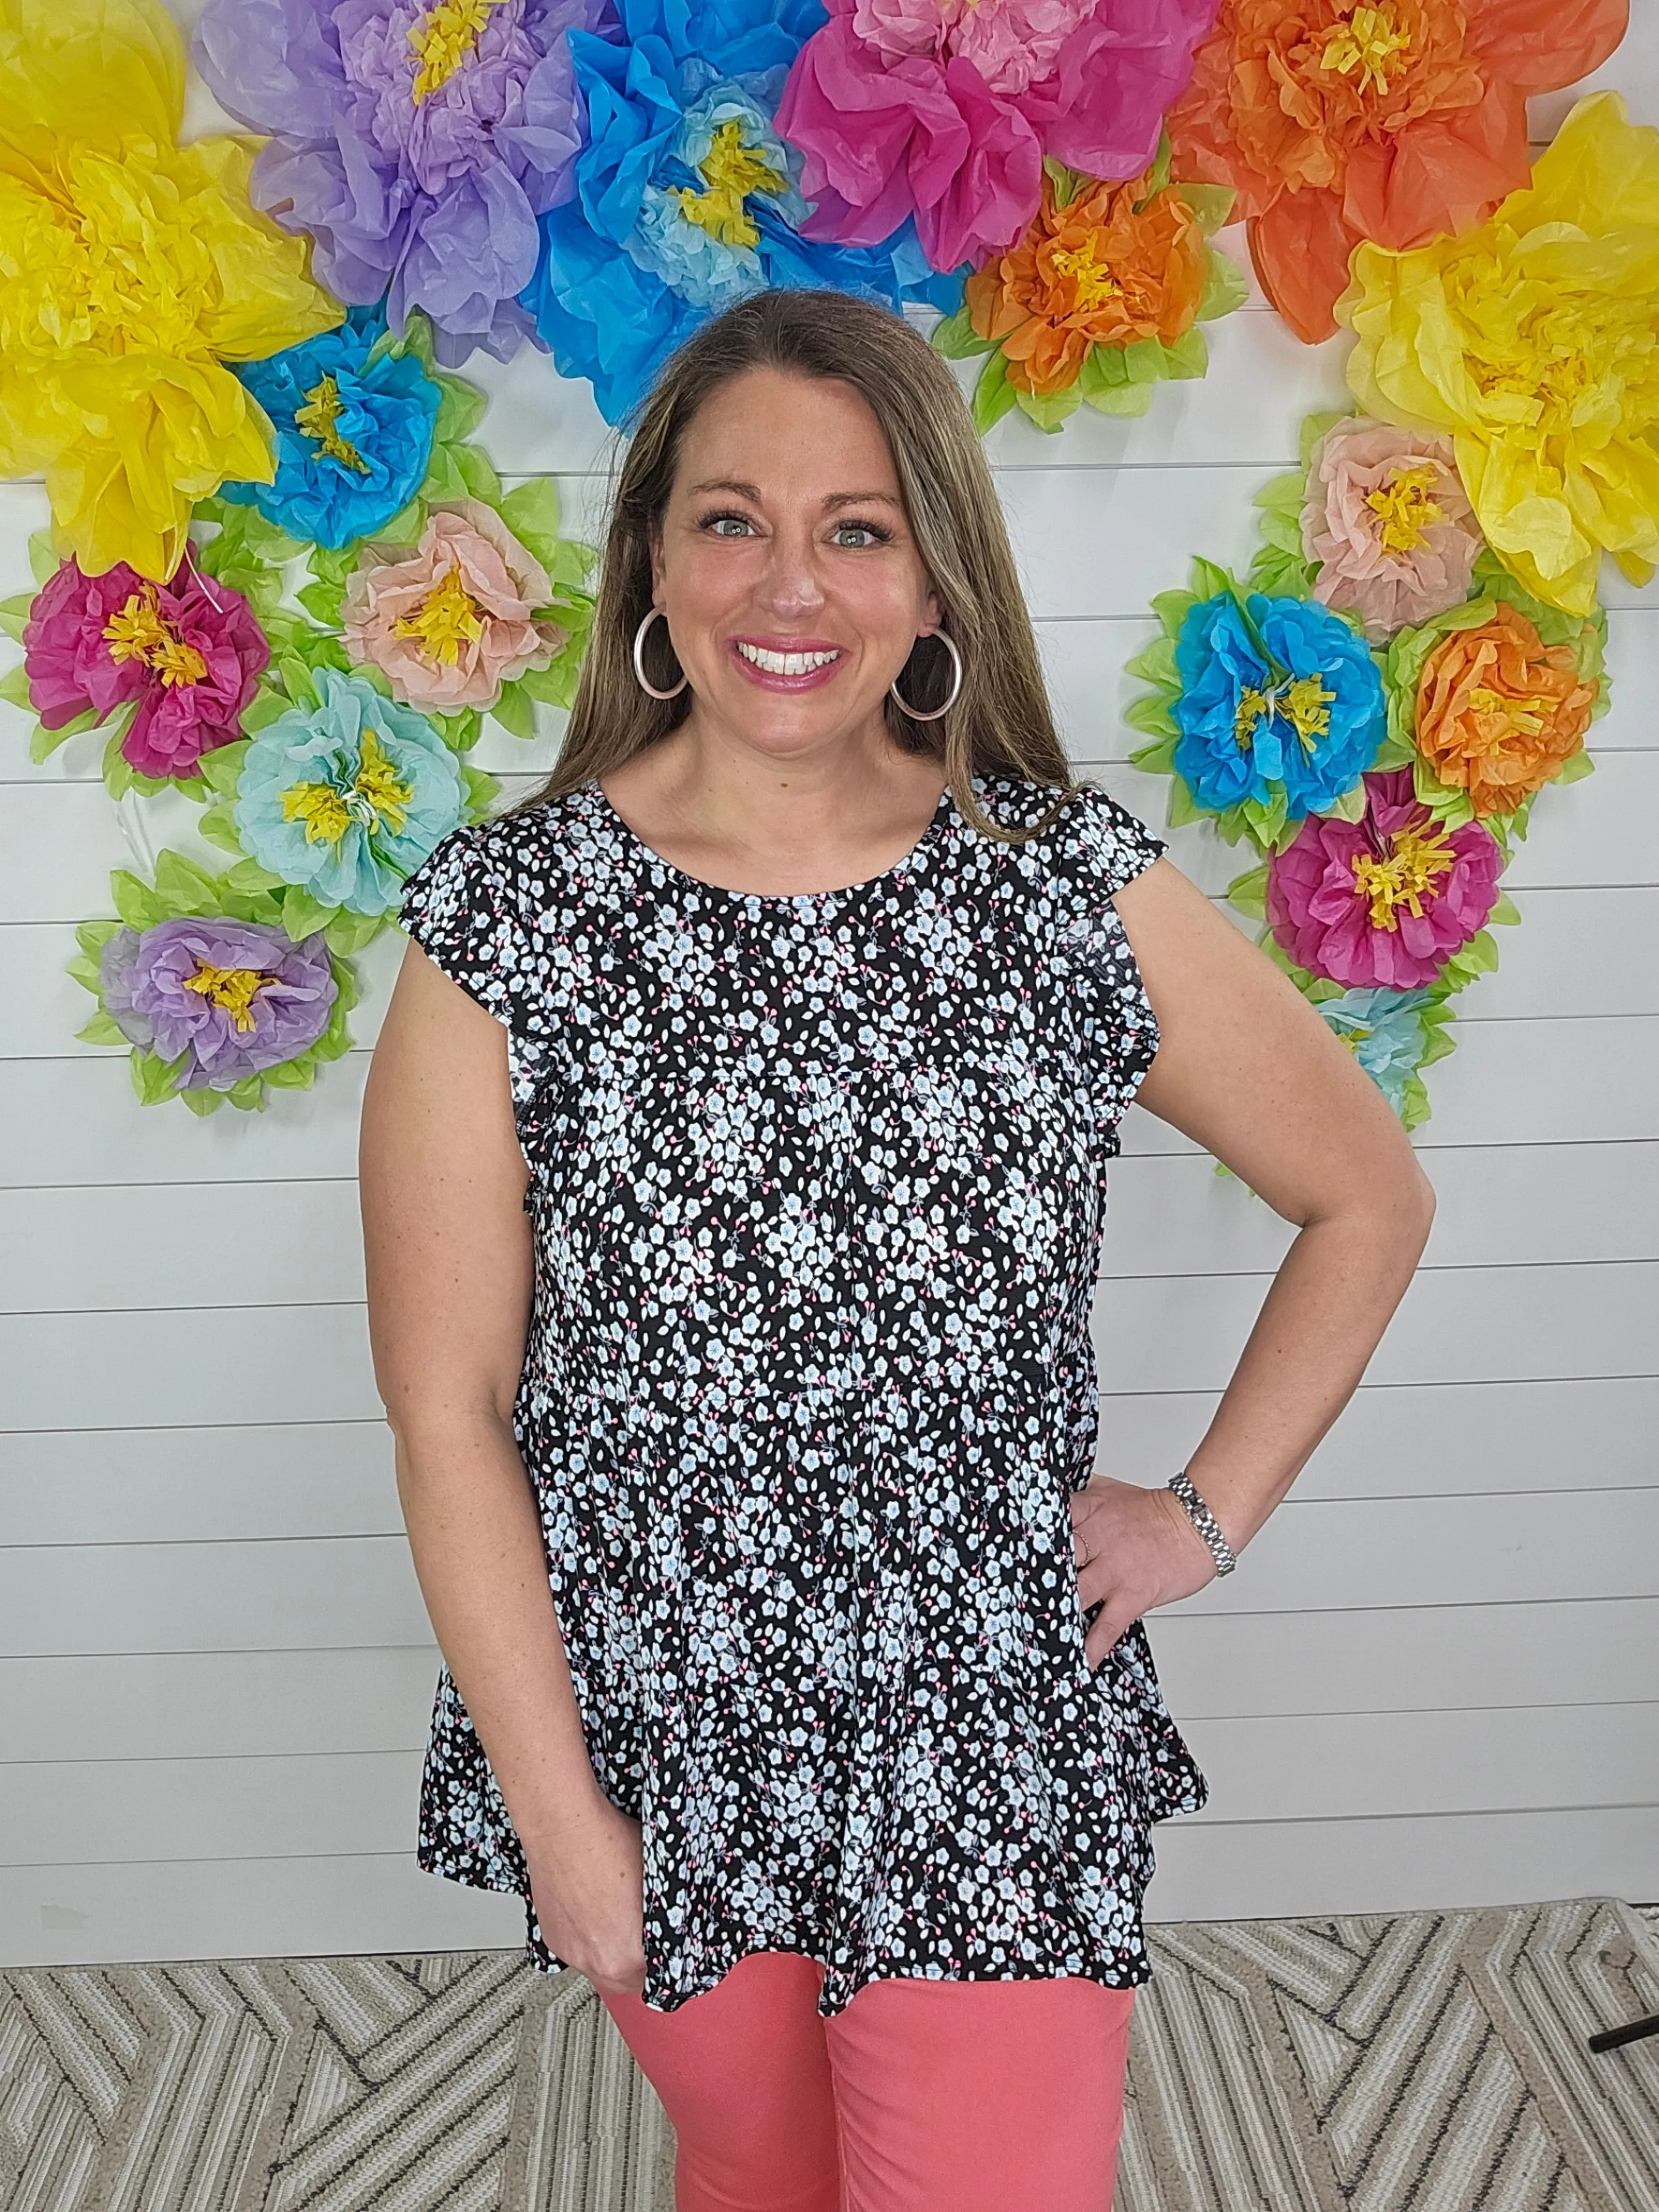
(792,587)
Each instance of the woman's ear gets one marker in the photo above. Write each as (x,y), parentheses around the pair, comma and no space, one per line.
(655,545)
(932,612)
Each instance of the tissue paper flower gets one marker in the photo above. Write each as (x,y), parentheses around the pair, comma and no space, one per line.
(452,621)
(1278,698)
(687,198)
(190,653)
(231,998)
(1385,901)
(1389,523)
(1499,713)
(1533,343)
(1393,120)
(417,143)
(348,797)
(354,430)
(132,269)
(1387,1033)
(942,110)
(1098,299)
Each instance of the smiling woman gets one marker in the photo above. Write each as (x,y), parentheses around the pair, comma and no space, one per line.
(730,1293)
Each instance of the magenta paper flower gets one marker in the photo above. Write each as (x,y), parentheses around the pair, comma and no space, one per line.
(1387,517)
(944,110)
(1385,901)
(190,652)
(448,625)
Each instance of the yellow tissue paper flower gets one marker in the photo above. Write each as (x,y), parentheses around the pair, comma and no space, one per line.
(130,270)
(1533,341)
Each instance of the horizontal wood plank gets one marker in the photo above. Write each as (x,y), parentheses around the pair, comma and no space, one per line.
(1284,1869)
(166,1244)
(1399,1659)
(1314,1556)
(363,1903)
(1341,1767)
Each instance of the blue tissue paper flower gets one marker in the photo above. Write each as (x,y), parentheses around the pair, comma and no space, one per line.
(1306,716)
(1384,1032)
(686,199)
(354,435)
(347,797)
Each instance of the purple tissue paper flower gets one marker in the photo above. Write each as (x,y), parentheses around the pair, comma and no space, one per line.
(417,143)
(238,997)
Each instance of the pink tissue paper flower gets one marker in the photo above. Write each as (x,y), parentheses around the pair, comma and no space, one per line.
(1387,516)
(452,621)
(943,110)
(190,652)
(1384,901)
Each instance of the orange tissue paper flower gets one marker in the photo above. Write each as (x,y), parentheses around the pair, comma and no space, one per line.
(1498,712)
(1097,270)
(1392,120)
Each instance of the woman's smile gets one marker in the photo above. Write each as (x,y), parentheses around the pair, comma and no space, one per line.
(786,664)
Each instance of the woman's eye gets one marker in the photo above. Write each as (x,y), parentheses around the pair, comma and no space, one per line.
(859,534)
(726,525)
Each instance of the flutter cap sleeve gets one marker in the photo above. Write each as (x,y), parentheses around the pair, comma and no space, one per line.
(1109,848)
(464,908)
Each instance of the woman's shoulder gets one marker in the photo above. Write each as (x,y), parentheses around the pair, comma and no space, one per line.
(1080,833)
(524,859)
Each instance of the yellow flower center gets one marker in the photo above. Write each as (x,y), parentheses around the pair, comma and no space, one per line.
(1305,703)
(374,797)
(1406,509)
(1523,717)
(1368,40)
(1093,281)
(316,421)
(448,618)
(1413,864)
(443,39)
(732,170)
(139,631)
(1353,1039)
(233,988)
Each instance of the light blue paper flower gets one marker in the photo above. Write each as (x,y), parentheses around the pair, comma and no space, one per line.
(1385,1031)
(354,436)
(1287,700)
(347,797)
(687,200)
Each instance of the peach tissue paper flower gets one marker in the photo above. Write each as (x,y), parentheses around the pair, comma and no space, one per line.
(1499,713)
(1389,524)
(1392,120)
(451,623)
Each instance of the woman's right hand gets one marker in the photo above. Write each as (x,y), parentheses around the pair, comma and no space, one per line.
(588,1888)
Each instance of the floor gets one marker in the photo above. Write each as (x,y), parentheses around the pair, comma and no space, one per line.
(1418,2063)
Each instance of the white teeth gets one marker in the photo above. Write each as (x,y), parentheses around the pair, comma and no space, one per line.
(785,663)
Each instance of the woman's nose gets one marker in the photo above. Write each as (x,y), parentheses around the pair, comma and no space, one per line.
(791,584)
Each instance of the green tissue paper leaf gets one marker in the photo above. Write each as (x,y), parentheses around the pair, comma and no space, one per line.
(994,396)
(956,337)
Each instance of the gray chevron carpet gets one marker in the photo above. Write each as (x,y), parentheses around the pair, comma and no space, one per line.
(1420,2062)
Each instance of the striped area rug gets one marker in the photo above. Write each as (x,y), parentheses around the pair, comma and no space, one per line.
(1417,2063)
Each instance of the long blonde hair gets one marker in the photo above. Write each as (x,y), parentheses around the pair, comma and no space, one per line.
(1001,724)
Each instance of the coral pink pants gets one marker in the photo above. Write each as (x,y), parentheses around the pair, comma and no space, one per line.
(920,2096)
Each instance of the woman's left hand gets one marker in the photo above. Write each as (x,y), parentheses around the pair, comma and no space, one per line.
(1135,1549)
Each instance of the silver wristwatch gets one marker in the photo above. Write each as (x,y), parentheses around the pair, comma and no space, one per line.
(1205,1522)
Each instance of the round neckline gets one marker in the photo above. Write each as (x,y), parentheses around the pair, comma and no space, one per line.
(774,898)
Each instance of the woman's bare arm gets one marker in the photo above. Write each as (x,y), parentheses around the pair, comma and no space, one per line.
(1247,1069)
(449,1258)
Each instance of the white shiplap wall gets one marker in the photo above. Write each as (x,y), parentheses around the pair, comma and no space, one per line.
(1434,1683)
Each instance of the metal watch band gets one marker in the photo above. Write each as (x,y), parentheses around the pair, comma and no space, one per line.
(1205,1522)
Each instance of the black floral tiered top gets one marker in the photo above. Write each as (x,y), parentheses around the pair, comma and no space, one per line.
(817,1186)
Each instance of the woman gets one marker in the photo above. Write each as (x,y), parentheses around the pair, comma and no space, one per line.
(732,1231)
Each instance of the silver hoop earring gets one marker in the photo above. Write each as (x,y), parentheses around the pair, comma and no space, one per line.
(645,684)
(934,713)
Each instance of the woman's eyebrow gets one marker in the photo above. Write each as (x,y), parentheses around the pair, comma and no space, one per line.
(831,499)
